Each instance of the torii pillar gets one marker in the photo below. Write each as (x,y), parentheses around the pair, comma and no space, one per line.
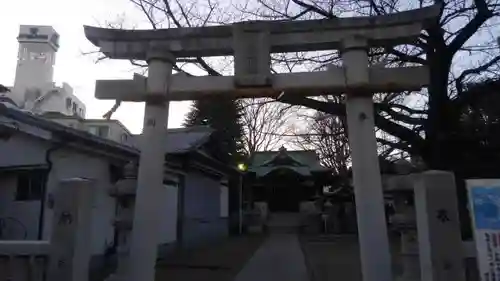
(370,212)
(145,231)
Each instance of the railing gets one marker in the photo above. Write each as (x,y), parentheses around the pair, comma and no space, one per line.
(66,256)
(23,260)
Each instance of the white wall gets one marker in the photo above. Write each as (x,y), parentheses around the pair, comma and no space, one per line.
(68,164)
(57,103)
(22,149)
(31,71)
(19,218)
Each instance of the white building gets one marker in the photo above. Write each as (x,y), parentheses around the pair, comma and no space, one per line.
(109,129)
(38,153)
(34,89)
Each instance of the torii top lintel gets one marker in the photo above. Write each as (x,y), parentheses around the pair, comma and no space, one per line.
(283,36)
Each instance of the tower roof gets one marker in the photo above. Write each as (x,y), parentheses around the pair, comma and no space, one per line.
(38,34)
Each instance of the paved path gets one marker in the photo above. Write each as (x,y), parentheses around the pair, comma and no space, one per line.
(279,258)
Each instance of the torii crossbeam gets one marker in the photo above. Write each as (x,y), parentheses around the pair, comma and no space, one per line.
(251,43)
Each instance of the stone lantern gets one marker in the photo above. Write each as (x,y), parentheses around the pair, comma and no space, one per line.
(124,191)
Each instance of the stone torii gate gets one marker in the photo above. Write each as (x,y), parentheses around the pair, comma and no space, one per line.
(251,43)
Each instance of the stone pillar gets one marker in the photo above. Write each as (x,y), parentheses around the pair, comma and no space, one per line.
(404,221)
(372,228)
(409,254)
(144,240)
(439,236)
(69,255)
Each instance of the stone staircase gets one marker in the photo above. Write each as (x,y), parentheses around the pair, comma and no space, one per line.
(283,222)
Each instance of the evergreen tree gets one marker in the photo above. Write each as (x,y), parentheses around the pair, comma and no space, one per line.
(223,115)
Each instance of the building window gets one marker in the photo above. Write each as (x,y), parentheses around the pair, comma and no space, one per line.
(68,103)
(23,54)
(103,131)
(30,186)
(124,137)
(74,107)
(100,131)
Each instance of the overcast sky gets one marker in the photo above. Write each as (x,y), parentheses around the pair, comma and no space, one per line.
(68,18)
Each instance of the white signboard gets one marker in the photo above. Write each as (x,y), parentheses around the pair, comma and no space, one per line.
(484,200)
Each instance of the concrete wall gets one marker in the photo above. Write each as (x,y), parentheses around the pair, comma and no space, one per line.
(26,150)
(19,219)
(205,207)
(22,150)
(32,72)
(56,102)
(69,164)
(202,211)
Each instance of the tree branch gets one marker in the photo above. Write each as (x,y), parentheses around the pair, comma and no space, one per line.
(477,70)
(483,14)
(405,134)
(314,9)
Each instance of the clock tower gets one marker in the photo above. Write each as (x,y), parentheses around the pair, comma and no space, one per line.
(35,63)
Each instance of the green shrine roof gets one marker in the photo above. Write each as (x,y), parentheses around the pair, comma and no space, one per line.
(303,162)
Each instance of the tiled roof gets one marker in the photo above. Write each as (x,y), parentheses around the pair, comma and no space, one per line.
(306,161)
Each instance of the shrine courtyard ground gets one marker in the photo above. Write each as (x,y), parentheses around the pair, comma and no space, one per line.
(219,261)
(286,257)
(274,257)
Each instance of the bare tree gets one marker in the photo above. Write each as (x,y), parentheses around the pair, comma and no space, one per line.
(176,14)
(458,49)
(264,122)
(327,135)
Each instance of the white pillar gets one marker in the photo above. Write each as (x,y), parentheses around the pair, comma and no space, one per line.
(71,231)
(372,228)
(147,214)
(438,224)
